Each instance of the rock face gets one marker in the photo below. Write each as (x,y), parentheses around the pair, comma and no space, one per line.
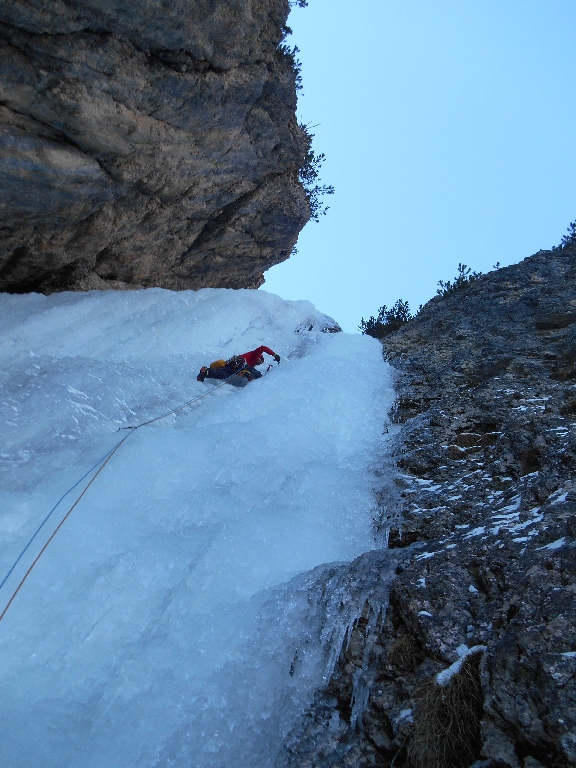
(146,144)
(484,540)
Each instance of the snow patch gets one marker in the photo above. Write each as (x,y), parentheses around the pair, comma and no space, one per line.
(476,532)
(555,544)
(444,677)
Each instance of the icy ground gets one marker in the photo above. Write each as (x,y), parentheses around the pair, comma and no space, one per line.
(174,619)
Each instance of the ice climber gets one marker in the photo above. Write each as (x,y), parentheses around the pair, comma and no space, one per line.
(243,365)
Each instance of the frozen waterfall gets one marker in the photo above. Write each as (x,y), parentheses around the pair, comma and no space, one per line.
(177,618)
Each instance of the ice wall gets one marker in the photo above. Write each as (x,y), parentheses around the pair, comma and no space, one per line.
(174,621)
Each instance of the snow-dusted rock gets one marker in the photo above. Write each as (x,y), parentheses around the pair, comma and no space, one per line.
(486,540)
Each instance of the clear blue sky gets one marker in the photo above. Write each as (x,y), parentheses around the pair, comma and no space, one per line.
(449,132)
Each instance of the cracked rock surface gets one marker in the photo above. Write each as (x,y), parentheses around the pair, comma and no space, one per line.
(483,526)
(146,144)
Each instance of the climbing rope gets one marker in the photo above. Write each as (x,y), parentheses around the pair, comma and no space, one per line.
(49,515)
(180,407)
(101,463)
(60,524)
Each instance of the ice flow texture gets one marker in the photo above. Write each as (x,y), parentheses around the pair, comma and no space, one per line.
(174,620)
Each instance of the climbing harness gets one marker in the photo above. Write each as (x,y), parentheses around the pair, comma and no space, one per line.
(237,362)
(101,463)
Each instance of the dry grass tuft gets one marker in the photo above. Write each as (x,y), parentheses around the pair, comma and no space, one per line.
(405,653)
(447,722)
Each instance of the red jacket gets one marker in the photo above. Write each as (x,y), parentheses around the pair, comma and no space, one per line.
(251,357)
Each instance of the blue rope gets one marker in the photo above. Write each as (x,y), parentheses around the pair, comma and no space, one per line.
(43,523)
(98,463)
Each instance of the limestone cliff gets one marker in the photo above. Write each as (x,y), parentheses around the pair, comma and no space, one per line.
(146,144)
(483,534)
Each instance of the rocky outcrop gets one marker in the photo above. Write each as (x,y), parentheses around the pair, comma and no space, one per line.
(473,661)
(146,144)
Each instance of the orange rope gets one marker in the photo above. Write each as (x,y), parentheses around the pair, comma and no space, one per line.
(60,524)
